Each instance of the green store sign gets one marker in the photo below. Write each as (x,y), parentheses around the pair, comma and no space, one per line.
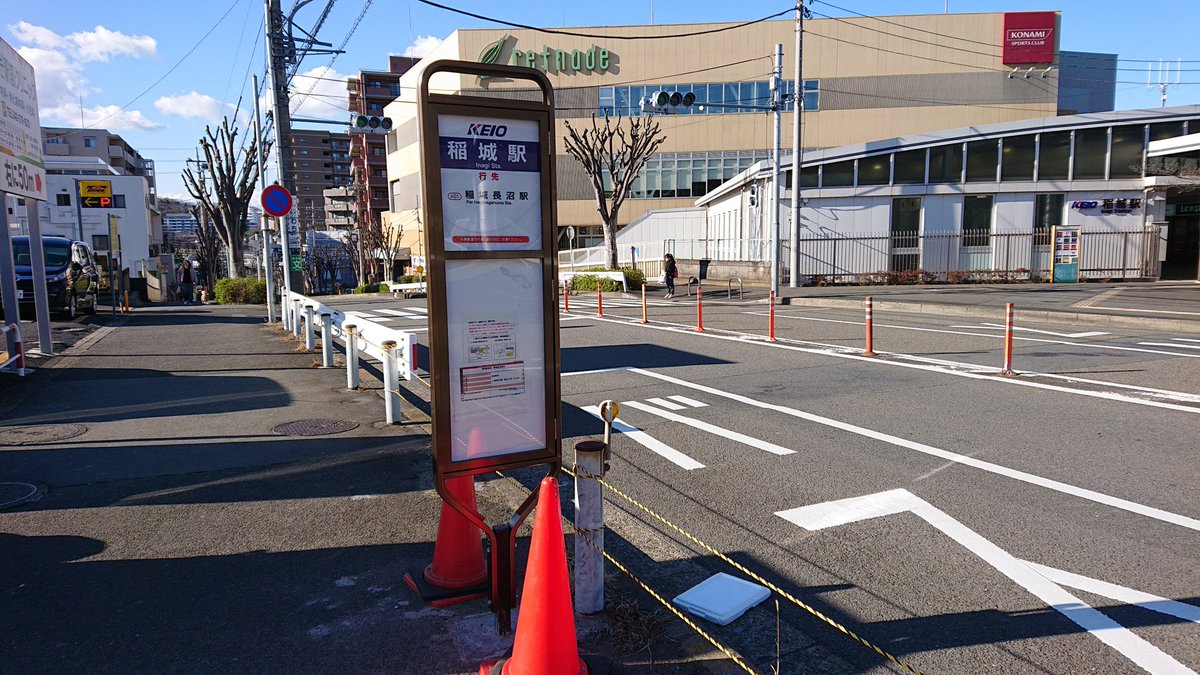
(549,60)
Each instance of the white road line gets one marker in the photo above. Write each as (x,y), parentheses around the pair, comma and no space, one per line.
(1187,339)
(403,314)
(663,403)
(1058,486)
(970,371)
(1093,333)
(1096,345)
(711,428)
(1170,344)
(689,401)
(1129,596)
(422,310)
(1145,655)
(651,443)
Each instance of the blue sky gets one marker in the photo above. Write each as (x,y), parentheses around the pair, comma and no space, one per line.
(105,55)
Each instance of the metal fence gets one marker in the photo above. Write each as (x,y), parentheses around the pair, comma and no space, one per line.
(903,257)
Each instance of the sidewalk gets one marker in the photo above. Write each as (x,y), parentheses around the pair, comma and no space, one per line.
(176,531)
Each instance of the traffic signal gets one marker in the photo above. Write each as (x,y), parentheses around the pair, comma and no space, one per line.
(668,102)
(370,124)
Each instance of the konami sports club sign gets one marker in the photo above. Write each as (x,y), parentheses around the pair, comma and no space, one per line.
(1029,37)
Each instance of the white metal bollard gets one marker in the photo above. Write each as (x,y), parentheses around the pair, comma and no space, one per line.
(296,318)
(284,313)
(351,356)
(310,340)
(326,340)
(391,384)
(589,522)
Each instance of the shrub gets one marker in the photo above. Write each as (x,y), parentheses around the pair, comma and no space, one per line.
(917,276)
(588,282)
(881,278)
(367,288)
(241,292)
(958,277)
(634,278)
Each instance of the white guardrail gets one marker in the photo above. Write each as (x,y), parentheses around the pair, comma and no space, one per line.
(369,339)
(17,357)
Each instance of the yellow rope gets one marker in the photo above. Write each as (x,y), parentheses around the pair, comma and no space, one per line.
(794,600)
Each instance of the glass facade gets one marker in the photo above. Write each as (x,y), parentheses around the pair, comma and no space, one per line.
(1112,152)
(690,174)
(977,220)
(712,98)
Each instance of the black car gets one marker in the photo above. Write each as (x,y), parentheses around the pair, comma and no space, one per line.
(72,278)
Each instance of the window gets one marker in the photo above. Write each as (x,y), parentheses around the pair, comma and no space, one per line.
(874,170)
(379,194)
(839,174)
(809,176)
(1091,153)
(906,227)
(99,242)
(945,164)
(1017,161)
(982,158)
(379,173)
(375,107)
(394,88)
(62,200)
(909,167)
(378,152)
(118,201)
(977,220)
(1047,213)
(89,141)
(301,139)
(1164,130)
(1054,156)
(1126,155)
(303,151)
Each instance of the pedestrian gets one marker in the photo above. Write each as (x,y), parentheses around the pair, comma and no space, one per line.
(670,272)
(187,280)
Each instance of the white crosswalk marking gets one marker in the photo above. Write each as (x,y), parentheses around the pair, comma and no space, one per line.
(711,428)
(651,443)
(402,314)
(688,401)
(665,404)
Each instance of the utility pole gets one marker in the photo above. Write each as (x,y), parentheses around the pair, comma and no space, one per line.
(797,149)
(277,48)
(212,265)
(777,107)
(266,231)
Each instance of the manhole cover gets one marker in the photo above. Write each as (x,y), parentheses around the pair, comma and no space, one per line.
(314,427)
(39,433)
(13,494)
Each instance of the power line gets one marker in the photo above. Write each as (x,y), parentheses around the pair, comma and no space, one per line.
(236,53)
(172,69)
(332,59)
(512,24)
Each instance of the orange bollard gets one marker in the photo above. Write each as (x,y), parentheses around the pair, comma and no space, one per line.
(1008,339)
(545,641)
(645,316)
(599,299)
(699,309)
(459,570)
(771,321)
(566,297)
(870,350)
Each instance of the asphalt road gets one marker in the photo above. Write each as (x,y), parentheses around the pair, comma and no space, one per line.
(959,520)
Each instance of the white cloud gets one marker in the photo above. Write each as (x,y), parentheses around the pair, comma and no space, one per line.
(103,117)
(37,36)
(328,98)
(422,46)
(193,105)
(59,79)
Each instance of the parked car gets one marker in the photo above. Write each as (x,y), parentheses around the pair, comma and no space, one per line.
(72,278)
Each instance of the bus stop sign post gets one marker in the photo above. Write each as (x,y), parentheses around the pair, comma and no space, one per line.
(489,194)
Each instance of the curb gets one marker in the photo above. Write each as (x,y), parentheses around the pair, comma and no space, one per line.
(1036,315)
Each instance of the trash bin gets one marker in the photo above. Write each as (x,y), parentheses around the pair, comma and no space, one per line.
(703,268)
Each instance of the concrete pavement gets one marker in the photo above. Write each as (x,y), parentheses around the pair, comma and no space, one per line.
(176,530)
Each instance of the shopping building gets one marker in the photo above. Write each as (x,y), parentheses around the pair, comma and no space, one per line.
(863,79)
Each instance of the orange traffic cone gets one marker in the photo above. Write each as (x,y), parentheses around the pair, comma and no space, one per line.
(459,571)
(545,642)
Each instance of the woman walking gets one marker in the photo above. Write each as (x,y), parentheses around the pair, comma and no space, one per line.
(670,272)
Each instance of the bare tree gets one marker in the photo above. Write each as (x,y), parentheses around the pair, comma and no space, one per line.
(380,246)
(208,247)
(226,186)
(1186,170)
(609,150)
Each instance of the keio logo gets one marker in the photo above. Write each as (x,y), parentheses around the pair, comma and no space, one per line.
(454,196)
(496,130)
(1084,205)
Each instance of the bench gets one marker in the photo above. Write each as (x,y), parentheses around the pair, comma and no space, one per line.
(566,277)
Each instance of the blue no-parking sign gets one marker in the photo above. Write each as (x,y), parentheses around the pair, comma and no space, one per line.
(276,200)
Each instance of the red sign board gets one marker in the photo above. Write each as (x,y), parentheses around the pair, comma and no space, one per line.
(1029,37)
(276,201)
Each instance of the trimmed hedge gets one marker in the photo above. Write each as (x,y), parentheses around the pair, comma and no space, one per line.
(367,288)
(241,292)
(588,282)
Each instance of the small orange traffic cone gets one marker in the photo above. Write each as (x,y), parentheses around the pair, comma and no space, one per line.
(459,571)
(545,642)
